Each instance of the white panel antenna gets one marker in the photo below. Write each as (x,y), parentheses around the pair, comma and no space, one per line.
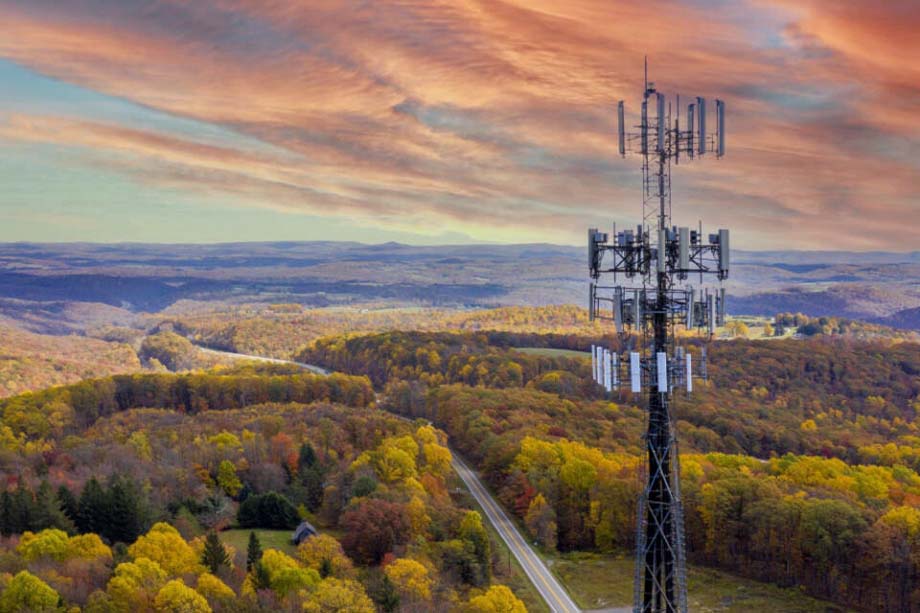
(615,371)
(607,370)
(594,362)
(635,372)
(621,127)
(662,369)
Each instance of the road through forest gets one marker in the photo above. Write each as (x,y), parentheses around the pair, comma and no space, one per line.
(543,580)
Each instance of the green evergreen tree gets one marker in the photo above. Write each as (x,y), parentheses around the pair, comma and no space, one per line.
(261,579)
(253,551)
(92,508)
(307,458)
(22,509)
(214,555)
(6,513)
(68,502)
(325,568)
(313,481)
(386,596)
(270,510)
(47,511)
(126,511)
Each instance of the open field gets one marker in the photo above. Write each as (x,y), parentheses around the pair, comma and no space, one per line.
(599,581)
(270,539)
(553,353)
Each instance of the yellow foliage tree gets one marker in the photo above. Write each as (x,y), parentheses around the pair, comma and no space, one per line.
(437,459)
(905,518)
(426,434)
(394,464)
(138,440)
(87,547)
(418,516)
(410,578)
(405,443)
(324,551)
(135,584)
(339,596)
(498,599)
(165,546)
(227,479)
(176,597)
(808,425)
(225,442)
(285,574)
(51,543)
(55,544)
(26,592)
(215,590)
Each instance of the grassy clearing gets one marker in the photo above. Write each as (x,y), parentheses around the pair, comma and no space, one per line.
(598,581)
(554,353)
(238,538)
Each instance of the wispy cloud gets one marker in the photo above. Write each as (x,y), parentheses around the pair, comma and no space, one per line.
(493,117)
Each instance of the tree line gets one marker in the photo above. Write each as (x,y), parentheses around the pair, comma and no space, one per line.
(57,410)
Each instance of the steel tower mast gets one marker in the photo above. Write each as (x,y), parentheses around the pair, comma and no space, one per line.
(648,315)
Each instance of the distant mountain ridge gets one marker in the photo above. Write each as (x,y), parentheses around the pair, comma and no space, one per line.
(137,277)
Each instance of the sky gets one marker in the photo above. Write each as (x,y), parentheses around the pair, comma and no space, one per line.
(451,121)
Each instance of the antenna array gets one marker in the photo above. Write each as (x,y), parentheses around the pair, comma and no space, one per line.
(660,261)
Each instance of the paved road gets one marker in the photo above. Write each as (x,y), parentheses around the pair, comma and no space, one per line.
(259,358)
(548,586)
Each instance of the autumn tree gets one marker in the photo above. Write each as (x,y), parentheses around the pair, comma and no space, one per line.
(373,529)
(324,554)
(497,599)
(176,597)
(410,578)
(215,590)
(285,576)
(540,520)
(473,532)
(26,592)
(338,595)
(164,545)
(168,348)
(227,478)
(134,585)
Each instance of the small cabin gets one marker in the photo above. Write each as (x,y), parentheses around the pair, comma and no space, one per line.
(304,531)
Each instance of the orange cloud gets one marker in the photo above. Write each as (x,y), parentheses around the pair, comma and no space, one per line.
(496,116)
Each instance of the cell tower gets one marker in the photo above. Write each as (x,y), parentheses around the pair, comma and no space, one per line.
(659,262)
